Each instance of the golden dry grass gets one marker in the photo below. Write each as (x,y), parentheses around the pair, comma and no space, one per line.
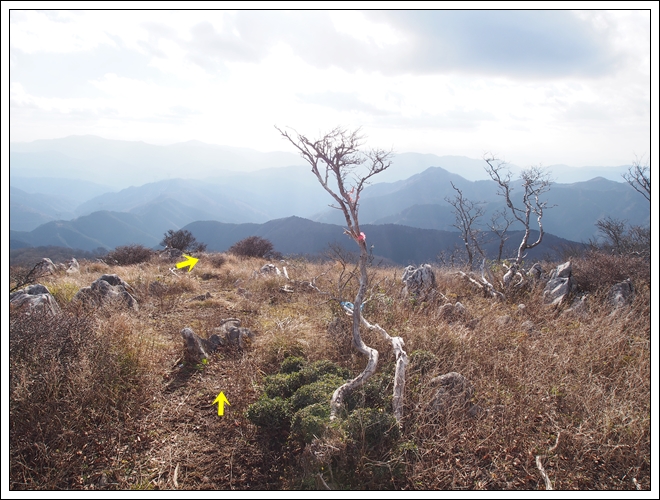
(124,413)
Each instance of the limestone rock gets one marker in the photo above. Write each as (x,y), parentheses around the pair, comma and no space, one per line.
(418,282)
(560,285)
(44,268)
(107,288)
(453,312)
(622,294)
(232,333)
(33,298)
(536,271)
(270,269)
(74,267)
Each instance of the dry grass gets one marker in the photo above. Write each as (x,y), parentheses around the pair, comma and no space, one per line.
(102,400)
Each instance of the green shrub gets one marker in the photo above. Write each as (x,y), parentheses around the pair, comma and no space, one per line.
(324,367)
(311,421)
(283,385)
(372,427)
(375,393)
(269,413)
(316,392)
(292,364)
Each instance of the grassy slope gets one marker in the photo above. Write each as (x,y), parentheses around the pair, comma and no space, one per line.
(143,421)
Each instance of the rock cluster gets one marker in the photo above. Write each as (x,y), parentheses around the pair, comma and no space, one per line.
(108,288)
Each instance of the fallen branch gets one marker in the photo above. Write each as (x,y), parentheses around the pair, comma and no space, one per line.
(325,485)
(548,484)
(539,465)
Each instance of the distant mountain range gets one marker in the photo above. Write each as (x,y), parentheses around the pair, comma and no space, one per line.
(92,209)
(122,164)
(396,244)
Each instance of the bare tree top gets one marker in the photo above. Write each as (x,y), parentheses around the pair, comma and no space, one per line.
(341,166)
(639,177)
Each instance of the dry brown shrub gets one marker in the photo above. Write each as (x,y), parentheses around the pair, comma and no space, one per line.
(76,390)
(597,271)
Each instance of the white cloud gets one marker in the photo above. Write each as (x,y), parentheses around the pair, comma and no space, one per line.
(562,88)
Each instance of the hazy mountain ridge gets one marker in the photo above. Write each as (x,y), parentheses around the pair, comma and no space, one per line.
(125,163)
(262,195)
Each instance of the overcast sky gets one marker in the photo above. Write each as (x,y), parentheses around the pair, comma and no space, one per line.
(533,87)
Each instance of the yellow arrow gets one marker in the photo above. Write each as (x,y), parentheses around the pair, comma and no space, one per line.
(221,400)
(190,261)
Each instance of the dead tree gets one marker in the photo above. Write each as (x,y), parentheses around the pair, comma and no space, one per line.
(639,177)
(535,182)
(499,224)
(343,169)
(466,213)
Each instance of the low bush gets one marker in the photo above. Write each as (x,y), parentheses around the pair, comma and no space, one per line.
(217,260)
(252,246)
(129,254)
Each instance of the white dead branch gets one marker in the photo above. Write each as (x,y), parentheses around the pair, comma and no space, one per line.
(401,362)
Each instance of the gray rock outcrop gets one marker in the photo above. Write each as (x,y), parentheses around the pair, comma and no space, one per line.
(33,298)
(621,294)
(74,267)
(232,333)
(229,333)
(560,285)
(107,289)
(418,282)
(453,312)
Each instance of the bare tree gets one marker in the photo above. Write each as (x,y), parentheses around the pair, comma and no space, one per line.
(622,239)
(614,230)
(639,177)
(466,213)
(343,169)
(535,182)
(499,224)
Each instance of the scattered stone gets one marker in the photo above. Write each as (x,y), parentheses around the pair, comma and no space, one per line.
(171,255)
(232,333)
(201,297)
(529,327)
(536,271)
(74,267)
(503,320)
(453,312)
(521,308)
(44,268)
(622,294)
(108,288)
(197,348)
(33,298)
(560,285)
(578,306)
(270,269)
(418,282)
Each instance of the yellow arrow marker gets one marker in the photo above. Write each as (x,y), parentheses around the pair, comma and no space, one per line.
(221,400)
(190,261)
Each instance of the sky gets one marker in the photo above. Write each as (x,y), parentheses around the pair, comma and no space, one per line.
(532,87)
